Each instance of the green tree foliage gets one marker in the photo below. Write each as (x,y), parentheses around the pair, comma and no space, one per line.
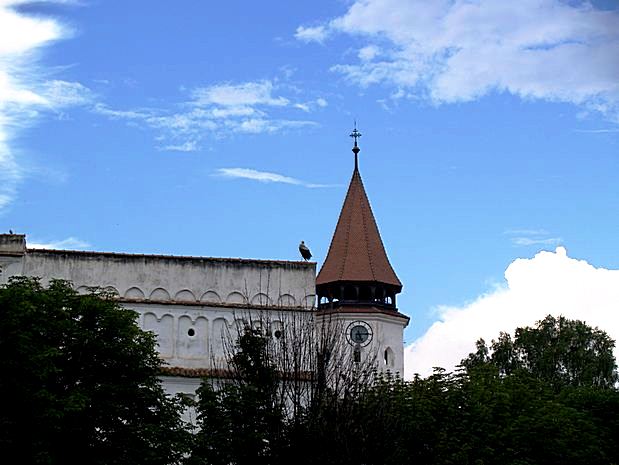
(559,351)
(241,419)
(79,381)
(496,409)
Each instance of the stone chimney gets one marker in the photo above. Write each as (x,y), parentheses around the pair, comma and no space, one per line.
(12,244)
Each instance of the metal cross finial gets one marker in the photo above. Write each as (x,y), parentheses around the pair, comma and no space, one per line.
(355,135)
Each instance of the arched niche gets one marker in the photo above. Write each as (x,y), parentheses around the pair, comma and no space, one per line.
(388,357)
(221,333)
(83,290)
(210,296)
(192,338)
(261,299)
(164,329)
(236,298)
(134,293)
(309,301)
(111,290)
(286,300)
(159,294)
(185,295)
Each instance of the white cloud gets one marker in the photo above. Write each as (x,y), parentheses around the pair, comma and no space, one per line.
(549,283)
(368,53)
(312,105)
(264,176)
(216,110)
(312,34)
(321,102)
(598,131)
(70,243)
(104,110)
(536,240)
(239,95)
(62,93)
(459,51)
(20,34)
(24,93)
(261,176)
(229,112)
(528,237)
(189,146)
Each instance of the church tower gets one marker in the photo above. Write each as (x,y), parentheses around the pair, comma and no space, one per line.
(357,283)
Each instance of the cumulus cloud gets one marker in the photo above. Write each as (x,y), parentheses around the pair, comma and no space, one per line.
(263,176)
(549,283)
(459,51)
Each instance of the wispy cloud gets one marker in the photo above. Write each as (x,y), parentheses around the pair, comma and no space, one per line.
(460,51)
(598,131)
(536,241)
(525,232)
(70,243)
(264,177)
(25,95)
(189,146)
(312,34)
(218,110)
(527,237)
(104,110)
(59,93)
(245,94)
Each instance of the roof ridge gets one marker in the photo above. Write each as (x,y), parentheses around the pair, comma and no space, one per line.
(365,230)
(343,267)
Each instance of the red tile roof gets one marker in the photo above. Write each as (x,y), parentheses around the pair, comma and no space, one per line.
(357,252)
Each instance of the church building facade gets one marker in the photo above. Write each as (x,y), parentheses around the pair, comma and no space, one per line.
(190,302)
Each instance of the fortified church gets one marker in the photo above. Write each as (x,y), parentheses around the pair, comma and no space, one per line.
(188,302)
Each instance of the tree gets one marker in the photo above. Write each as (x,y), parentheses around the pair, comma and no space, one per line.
(241,419)
(287,379)
(79,381)
(560,351)
(490,411)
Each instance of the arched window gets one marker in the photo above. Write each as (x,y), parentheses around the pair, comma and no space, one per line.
(357,355)
(389,357)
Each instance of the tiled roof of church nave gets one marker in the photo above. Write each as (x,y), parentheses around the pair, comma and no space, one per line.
(357,252)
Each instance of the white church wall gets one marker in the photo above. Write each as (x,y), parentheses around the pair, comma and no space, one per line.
(190,303)
(170,278)
(387,330)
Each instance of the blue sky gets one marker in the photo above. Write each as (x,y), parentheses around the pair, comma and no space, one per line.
(490,132)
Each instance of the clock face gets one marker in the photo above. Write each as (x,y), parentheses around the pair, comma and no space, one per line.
(359,333)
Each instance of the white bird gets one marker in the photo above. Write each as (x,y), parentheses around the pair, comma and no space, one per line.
(305,252)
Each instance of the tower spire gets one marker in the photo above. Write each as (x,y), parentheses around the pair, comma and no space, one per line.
(357,272)
(355,135)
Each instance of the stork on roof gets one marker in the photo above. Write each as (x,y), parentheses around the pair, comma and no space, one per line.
(305,251)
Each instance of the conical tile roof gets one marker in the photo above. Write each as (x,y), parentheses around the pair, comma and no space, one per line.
(357,252)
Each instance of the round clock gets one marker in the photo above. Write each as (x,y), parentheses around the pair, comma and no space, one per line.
(359,333)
